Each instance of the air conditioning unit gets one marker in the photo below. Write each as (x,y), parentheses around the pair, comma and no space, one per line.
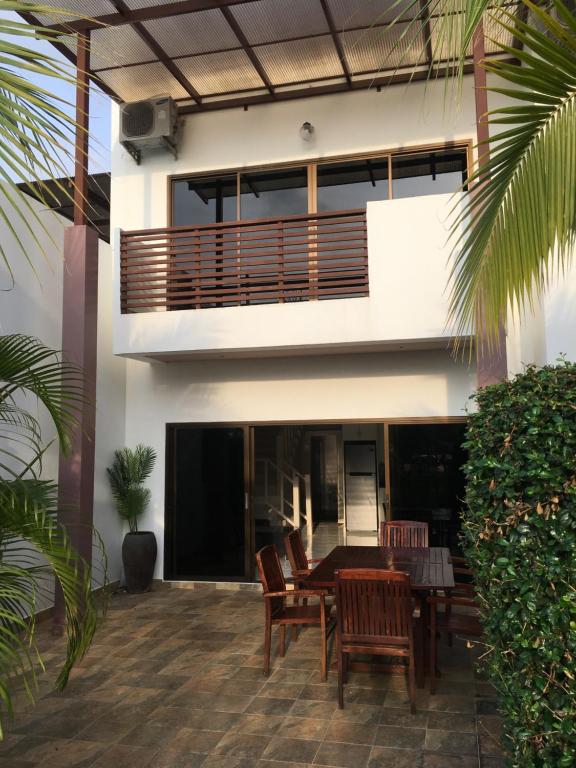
(149,125)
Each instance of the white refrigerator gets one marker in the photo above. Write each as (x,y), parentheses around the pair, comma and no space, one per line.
(361,486)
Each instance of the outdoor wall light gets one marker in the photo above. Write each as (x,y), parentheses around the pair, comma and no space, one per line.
(307,131)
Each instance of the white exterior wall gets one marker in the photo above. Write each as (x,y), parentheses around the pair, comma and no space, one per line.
(331,387)
(34,307)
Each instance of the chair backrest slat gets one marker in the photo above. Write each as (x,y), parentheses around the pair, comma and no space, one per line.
(271,575)
(403,533)
(374,605)
(295,551)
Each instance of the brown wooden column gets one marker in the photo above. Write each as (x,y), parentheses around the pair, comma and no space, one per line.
(491,364)
(79,335)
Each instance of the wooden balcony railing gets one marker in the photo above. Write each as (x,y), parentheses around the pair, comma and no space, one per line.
(295,258)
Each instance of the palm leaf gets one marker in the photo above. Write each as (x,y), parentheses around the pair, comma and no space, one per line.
(27,514)
(37,130)
(519,223)
(27,365)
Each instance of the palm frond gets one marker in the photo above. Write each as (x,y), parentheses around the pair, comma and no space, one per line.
(130,468)
(27,365)
(27,513)
(519,222)
(37,128)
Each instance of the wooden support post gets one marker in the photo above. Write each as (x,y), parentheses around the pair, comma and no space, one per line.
(79,339)
(491,364)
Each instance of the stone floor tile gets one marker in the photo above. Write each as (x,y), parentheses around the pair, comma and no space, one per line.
(399,737)
(321,710)
(260,724)
(342,755)
(384,757)
(291,750)
(403,717)
(451,742)
(122,756)
(350,733)
(451,721)
(238,744)
(359,713)
(436,760)
(448,703)
(303,728)
(266,706)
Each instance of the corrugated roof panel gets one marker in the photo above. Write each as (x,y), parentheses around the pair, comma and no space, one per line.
(135,4)
(78,8)
(445,39)
(383,48)
(495,35)
(220,72)
(193,33)
(348,14)
(267,20)
(117,46)
(312,59)
(143,82)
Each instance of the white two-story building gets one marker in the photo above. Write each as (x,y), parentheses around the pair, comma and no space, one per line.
(281,281)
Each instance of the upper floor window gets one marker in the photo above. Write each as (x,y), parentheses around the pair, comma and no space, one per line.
(318,186)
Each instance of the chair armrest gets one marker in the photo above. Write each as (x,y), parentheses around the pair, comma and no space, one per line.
(297,593)
(301,572)
(315,560)
(456,559)
(464,571)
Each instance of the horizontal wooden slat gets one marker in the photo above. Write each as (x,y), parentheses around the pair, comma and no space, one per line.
(297,258)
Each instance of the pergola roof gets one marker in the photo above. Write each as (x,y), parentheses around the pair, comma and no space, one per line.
(210,54)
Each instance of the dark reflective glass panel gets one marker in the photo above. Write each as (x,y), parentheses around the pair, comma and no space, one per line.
(428,174)
(346,186)
(205,515)
(204,200)
(273,193)
(426,479)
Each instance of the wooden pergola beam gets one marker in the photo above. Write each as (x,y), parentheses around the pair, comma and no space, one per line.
(336,40)
(243,40)
(144,14)
(159,52)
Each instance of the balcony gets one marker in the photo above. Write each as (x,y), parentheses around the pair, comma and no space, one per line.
(361,280)
(266,261)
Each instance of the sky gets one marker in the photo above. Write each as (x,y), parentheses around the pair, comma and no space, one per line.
(99,155)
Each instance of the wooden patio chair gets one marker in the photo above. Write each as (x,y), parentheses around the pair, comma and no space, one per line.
(299,562)
(300,565)
(403,533)
(462,623)
(375,615)
(280,613)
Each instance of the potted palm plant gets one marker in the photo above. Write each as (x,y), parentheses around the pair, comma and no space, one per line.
(127,474)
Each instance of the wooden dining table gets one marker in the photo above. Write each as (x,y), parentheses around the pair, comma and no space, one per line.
(429,569)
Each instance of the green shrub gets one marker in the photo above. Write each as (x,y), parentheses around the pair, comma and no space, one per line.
(520,537)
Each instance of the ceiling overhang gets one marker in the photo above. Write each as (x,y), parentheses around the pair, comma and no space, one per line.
(215,54)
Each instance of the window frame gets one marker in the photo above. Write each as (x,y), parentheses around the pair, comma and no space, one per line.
(312,170)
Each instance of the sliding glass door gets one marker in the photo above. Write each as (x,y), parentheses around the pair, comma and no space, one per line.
(207,527)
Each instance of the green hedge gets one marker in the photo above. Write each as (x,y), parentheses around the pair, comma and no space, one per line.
(520,537)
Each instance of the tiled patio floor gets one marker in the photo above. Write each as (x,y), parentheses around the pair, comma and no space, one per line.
(174,680)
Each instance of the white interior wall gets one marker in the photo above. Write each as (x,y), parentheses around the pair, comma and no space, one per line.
(32,304)
(308,389)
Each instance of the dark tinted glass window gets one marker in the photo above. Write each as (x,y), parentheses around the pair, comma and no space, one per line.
(205,516)
(345,186)
(203,200)
(428,174)
(273,193)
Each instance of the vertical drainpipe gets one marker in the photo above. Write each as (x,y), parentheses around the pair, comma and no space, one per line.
(79,337)
(491,364)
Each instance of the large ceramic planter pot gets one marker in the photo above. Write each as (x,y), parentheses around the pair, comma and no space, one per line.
(139,558)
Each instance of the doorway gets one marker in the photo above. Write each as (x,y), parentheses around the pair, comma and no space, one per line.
(207,534)
(426,478)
